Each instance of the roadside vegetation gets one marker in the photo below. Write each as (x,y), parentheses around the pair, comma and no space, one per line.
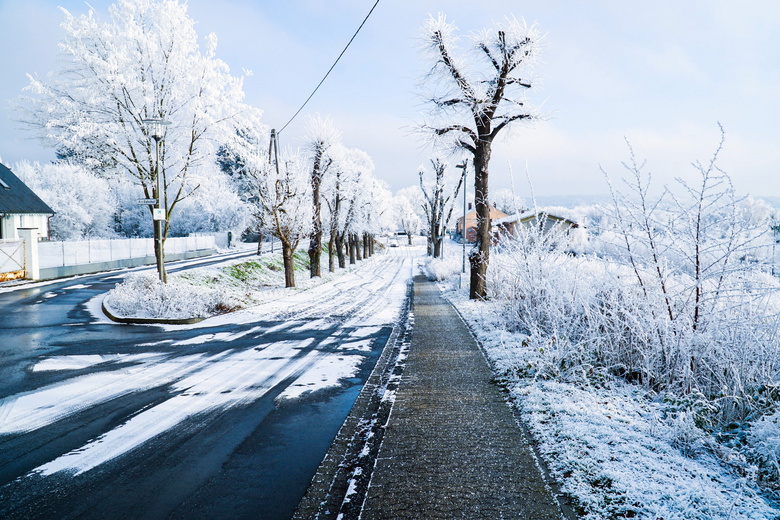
(208,291)
(647,364)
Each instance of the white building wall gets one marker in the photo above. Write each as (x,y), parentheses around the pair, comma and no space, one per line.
(11,224)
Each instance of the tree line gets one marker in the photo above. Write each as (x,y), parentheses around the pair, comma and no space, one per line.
(145,63)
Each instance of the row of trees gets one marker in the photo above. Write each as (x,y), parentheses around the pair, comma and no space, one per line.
(299,194)
(145,63)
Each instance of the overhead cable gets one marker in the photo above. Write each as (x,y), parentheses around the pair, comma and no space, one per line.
(329,70)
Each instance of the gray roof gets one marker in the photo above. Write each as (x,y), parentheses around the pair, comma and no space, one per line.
(16,197)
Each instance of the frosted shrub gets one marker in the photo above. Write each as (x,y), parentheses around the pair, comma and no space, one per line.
(143,295)
(763,449)
(439,269)
(676,302)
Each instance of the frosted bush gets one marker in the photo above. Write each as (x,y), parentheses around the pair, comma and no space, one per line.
(439,269)
(676,301)
(143,295)
(763,449)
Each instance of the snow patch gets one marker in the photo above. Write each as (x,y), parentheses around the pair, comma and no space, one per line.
(328,372)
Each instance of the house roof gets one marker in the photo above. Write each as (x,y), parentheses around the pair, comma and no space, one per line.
(494,214)
(16,197)
(525,216)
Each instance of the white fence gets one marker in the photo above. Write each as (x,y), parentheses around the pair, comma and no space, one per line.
(11,256)
(59,254)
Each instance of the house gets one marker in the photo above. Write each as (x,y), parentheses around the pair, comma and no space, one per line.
(471,223)
(20,208)
(532,219)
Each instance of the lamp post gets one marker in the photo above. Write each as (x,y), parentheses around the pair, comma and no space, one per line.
(156,127)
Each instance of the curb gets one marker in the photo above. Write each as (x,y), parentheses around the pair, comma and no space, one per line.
(329,492)
(146,321)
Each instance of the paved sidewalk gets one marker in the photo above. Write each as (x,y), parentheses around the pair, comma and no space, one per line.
(452,448)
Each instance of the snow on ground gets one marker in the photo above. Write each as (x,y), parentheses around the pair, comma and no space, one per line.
(606,444)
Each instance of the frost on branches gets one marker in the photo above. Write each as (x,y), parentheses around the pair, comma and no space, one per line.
(438,203)
(347,195)
(409,212)
(143,63)
(473,100)
(84,204)
(283,201)
(321,136)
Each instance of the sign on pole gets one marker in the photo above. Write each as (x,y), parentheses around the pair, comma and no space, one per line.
(150,202)
(158,214)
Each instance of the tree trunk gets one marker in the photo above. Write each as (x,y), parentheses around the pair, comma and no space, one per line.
(315,253)
(315,242)
(409,236)
(331,254)
(340,251)
(160,257)
(480,254)
(357,248)
(352,247)
(260,245)
(437,247)
(371,245)
(365,246)
(289,267)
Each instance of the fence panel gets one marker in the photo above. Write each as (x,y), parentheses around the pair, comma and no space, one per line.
(11,257)
(78,252)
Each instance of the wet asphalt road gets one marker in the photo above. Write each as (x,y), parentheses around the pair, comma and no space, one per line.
(100,420)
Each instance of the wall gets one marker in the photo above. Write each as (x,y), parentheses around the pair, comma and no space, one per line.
(10,224)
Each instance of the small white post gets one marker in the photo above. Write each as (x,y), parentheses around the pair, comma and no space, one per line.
(31,266)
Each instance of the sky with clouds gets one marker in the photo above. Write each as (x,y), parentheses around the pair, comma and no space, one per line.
(661,74)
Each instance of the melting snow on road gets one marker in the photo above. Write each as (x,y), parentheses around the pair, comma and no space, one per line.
(326,373)
(228,375)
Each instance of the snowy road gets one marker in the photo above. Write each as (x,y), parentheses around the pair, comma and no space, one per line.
(228,418)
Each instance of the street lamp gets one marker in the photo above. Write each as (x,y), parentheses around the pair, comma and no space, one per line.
(156,128)
(464,166)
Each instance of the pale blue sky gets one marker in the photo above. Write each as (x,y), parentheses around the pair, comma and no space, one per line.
(661,73)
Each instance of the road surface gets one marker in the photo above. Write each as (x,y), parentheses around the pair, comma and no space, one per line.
(228,418)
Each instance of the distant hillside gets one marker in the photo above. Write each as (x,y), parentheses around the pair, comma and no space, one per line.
(572,201)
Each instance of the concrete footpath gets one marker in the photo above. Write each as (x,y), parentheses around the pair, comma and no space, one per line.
(452,447)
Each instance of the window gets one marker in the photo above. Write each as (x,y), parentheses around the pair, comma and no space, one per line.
(4,184)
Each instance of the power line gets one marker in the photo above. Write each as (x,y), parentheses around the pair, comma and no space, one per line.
(329,70)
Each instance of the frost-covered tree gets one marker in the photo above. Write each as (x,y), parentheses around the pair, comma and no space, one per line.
(372,214)
(438,203)
(406,218)
(84,204)
(321,135)
(344,194)
(474,100)
(143,63)
(215,207)
(505,200)
(283,202)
